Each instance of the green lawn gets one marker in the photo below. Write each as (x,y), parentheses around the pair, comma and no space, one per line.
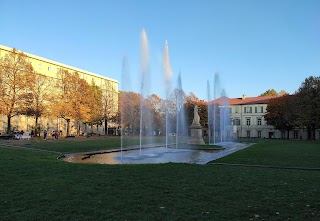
(278,153)
(37,186)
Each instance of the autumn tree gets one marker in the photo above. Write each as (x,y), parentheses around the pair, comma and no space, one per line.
(37,99)
(308,105)
(109,103)
(192,98)
(158,108)
(96,107)
(269,92)
(179,99)
(191,101)
(282,92)
(15,79)
(74,100)
(281,113)
(129,106)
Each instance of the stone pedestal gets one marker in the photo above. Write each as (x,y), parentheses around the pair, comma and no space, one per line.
(196,135)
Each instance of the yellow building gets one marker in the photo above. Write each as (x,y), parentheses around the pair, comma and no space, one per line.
(51,69)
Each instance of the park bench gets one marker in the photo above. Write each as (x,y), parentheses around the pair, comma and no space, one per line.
(25,137)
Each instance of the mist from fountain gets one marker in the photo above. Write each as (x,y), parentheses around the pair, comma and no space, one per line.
(125,86)
(219,109)
(146,118)
(181,123)
(174,98)
(167,78)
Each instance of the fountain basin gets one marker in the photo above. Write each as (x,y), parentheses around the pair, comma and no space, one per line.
(153,155)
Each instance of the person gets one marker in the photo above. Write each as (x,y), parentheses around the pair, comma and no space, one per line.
(45,134)
(56,135)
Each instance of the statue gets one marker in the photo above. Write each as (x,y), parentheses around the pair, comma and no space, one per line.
(196,117)
(196,129)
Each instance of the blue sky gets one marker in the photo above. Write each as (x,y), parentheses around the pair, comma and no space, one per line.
(254,45)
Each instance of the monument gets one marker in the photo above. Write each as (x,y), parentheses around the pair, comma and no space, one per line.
(196,129)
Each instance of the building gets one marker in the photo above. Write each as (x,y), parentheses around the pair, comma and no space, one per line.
(247,118)
(51,69)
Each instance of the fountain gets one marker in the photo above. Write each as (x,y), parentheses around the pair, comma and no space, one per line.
(174,98)
(125,86)
(167,74)
(181,128)
(219,120)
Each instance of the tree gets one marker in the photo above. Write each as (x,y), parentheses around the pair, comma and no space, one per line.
(74,100)
(192,98)
(157,105)
(109,103)
(281,113)
(270,92)
(15,79)
(129,106)
(38,98)
(191,101)
(282,92)
(96,106)
(308,103)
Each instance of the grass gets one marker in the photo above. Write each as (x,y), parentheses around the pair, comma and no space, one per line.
(83,144)
(278,153)
(36,186)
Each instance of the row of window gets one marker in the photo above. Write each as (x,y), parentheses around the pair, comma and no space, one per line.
(49,68)
(258,109)
(258,133)
(248,121)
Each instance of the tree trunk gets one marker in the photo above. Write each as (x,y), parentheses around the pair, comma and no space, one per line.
(36,128)
(78,128)
(288,134)
(68,127)
(9,124)
(105,126)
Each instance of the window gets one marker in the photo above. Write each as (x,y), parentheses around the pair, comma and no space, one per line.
(49,68)
(236,122)
(236,110)
(259,134)
(248,133)
(40,66)
(259,121)
(248,120)
(258,109)
(248,109)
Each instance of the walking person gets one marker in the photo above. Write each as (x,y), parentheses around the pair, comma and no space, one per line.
(56,135)
(45,134)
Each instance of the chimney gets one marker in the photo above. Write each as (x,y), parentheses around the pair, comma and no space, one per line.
(243,97)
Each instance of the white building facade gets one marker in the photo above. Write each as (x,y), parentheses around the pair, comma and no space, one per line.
(247,115)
